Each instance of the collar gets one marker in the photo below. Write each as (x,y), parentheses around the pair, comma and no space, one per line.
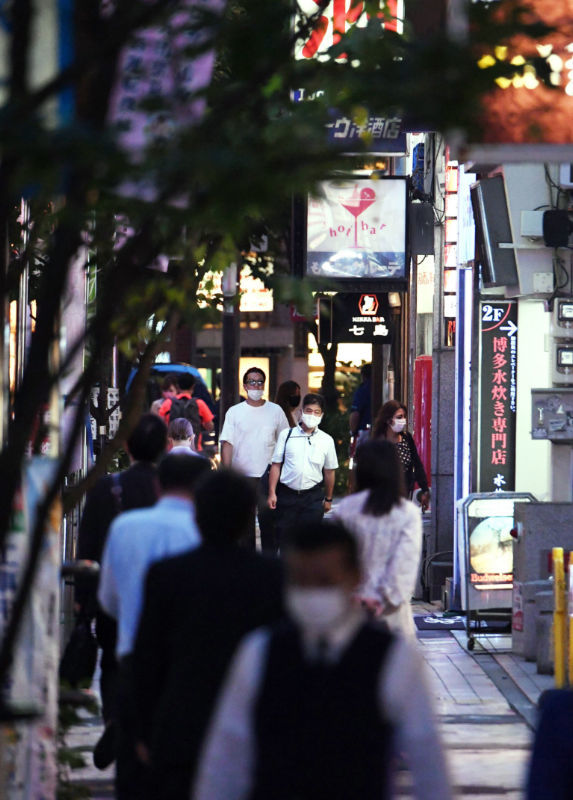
(311,434)
(174,502)
(338,638)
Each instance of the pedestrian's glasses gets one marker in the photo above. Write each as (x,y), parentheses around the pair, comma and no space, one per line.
(255,383)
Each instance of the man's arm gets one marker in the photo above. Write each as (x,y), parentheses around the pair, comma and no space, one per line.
(405,699)
(328,487)
(274,475)
(205,414)
(226,768)
(226,453)
(353,421)
(108,595)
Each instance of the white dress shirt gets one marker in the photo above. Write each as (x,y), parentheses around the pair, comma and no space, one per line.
(226,768)
(305,456)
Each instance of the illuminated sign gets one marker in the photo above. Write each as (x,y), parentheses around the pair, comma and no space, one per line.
(336,18)
(355,318)
(498,396)
(357,229)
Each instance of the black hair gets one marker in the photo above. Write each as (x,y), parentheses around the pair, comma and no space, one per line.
(378,468)
(186,381)
(251,370)
(286,390)
(313,399)
(385,416)
(224,506)
(181,471)
(366,372)
(313,537)
(168,381)
(148,439)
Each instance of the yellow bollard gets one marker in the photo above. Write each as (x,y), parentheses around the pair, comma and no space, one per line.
(570,618)
(559,620)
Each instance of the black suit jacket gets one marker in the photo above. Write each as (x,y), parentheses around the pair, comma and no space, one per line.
(197,608)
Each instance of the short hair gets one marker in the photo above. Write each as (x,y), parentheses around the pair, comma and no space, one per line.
(148,439)
(378,469)
(316,536)
(186,381)
(313,399)
(225,503)
(181,471)
(382,421)
(168,381)
(180,428)
(366,371)
(251,370)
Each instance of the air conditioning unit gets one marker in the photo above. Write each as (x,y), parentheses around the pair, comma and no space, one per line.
(566,176)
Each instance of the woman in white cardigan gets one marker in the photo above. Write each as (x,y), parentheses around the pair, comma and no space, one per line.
(389,531)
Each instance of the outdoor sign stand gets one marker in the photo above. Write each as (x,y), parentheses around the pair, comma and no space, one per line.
(485,551)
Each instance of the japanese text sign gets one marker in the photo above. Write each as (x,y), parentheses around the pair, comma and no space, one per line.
(355,318)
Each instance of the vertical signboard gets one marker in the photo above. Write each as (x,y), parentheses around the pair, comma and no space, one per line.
(497,395)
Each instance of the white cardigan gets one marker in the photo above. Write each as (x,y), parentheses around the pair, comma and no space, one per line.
(390,549)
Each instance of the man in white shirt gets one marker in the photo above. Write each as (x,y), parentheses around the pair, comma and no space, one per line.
(301,479)
(317,706)
(248,439)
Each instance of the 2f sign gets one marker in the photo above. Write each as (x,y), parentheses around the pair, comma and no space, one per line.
(491,313)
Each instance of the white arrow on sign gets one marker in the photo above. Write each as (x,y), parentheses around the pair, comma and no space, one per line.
(511,328)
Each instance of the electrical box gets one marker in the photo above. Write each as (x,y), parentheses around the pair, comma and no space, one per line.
(562,320)
(532,224)
(566,176)
(552,414)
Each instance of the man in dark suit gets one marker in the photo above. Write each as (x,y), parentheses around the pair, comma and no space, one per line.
(197,608)
(136,487)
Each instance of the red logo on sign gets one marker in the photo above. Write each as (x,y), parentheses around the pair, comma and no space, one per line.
(368,305)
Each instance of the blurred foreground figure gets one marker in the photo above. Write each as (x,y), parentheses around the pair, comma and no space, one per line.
(551,767)
(197,608)
(315,707)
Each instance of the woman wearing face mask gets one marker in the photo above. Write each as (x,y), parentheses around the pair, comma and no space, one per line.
(390,424)
(288,398)
(389,531)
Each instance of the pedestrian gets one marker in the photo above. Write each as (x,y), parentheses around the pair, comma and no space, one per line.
(169,389)
(550,774)
(361,409)
(388,528)
(136,487)
(301,479)
(180,437)
(288,397)
(136,540)
(315,707)
(391,424)
(192,408)
(197,607)
(248,439)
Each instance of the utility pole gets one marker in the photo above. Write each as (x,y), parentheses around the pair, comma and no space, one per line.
(231,346)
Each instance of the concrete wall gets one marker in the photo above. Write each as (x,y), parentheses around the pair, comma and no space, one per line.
(533,457)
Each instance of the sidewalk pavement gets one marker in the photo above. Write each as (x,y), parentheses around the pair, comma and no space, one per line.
(485,702)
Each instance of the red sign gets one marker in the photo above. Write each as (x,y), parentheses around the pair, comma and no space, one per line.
(368,304)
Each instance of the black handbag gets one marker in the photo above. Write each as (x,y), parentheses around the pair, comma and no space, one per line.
(78,662)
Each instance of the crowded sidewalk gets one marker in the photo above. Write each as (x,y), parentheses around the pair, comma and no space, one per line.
(485,702)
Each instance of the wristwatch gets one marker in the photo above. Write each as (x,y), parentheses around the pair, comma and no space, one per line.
(328,499)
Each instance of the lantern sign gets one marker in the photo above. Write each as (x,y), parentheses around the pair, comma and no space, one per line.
(336,18)
(355,318)
(498,396)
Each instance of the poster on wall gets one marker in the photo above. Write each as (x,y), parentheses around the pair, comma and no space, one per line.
(357,229)
(497,396)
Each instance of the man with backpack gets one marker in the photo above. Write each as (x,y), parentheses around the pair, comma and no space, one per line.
(185,406)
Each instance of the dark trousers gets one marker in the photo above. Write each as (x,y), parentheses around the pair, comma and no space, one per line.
(266,518)
(106,633)
(131,776)
(551,767)
(169,783)
(297,508)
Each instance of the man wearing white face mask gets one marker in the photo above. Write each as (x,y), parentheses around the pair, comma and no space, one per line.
(301,479)
(248,439)
(315,707)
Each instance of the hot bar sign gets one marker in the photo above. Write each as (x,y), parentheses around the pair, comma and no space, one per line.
(357,229)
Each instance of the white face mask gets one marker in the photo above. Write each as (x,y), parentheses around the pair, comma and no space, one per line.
(255,394)
(310,420)
(398,425)
(317,610)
